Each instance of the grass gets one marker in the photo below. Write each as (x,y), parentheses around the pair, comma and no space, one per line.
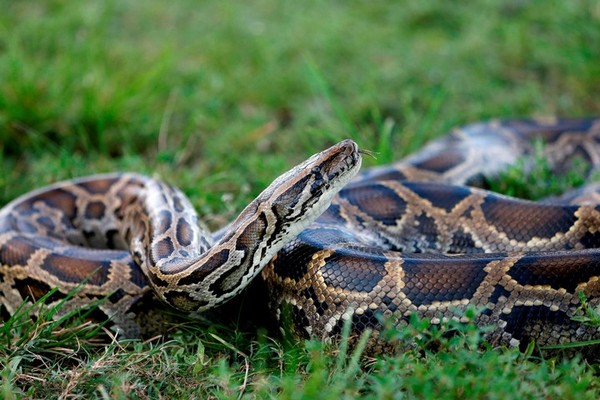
(534,178)
(219,98)
(66,359)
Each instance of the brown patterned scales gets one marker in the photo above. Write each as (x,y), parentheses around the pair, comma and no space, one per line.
(396,240)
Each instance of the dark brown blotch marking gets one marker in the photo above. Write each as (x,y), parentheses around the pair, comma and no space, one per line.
(163,222)
(76,270)
(16,251)
(162,249)
(522,220)
(184,233)
(95,210)
(369,319)
(208,267)
(442,279)
(253,234)
(98,186)
(178,203)
(288,200)
(441,162)
(565,272)
(380,202)
(136,275)
(355,269)
(58,198)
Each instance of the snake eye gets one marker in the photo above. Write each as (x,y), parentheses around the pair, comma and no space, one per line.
(316,170)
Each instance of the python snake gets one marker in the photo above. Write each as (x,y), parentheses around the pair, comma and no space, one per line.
(413,237)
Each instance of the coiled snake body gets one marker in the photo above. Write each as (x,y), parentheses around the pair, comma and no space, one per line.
(407,238)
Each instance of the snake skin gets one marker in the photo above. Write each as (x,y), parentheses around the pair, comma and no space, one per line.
(413,237)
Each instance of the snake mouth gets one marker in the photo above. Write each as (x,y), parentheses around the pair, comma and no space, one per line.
(332,169)
(342,164)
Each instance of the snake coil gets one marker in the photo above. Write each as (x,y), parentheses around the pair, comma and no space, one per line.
(413,237)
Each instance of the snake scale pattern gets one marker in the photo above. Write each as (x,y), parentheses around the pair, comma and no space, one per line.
(332,245)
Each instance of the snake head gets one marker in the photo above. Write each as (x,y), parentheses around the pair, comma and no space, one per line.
(300,195)
(303,193)
(292,202)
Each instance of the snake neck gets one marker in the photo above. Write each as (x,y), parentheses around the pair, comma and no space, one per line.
(189,272)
